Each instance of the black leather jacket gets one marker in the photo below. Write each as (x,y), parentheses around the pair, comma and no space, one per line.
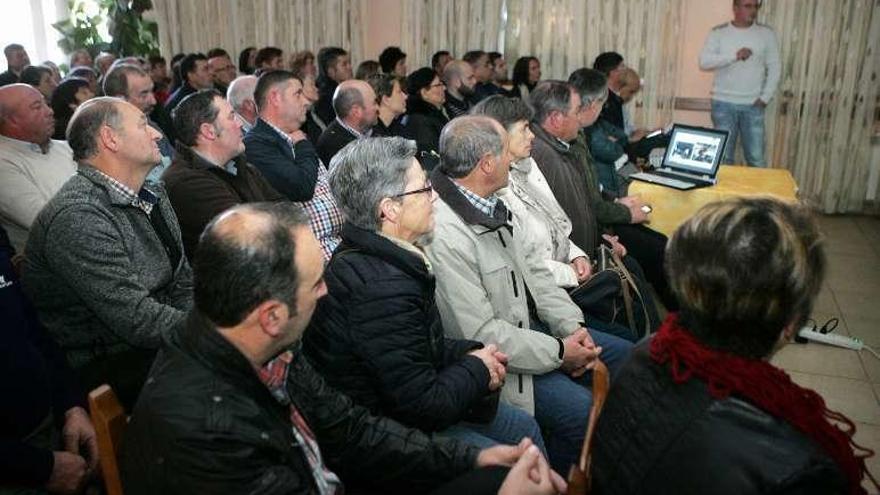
(656,436)
(205,423)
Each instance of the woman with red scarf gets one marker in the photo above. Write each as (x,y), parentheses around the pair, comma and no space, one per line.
(699,408)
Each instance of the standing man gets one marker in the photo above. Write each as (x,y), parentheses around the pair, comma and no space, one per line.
(16,60)
(744,55)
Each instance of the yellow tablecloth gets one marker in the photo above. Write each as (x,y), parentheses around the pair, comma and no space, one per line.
(672,207)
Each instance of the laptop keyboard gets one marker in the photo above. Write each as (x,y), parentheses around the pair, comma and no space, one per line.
(666,181)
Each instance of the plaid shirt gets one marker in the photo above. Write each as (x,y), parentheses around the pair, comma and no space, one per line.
(360,135)
(485,205)
(325,219)
(274,376)
(143,200)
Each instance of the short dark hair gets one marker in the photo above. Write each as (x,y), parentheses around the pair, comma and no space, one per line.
(435,58)
(472,56)
(590,84)
(266,54)
(521,70)
(33,73)
(366,69)
(506,110)
(389,58)
(193,111)
(82,131)
(233,275)
(10,47)
(744,269)
(116,80)
(607,61)
(326,57)
(188,65)
(383,84)
(217,52)
(243,60)
(548,97)
(155,60)
(63,97)
(493,56)
(269,80)
(83,72)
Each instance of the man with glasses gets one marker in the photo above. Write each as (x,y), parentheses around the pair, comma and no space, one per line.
(744,55)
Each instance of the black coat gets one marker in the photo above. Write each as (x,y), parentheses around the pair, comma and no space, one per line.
(205,423)
(292,172)
(377,336)
(656,436)
(423,124)
(333,139)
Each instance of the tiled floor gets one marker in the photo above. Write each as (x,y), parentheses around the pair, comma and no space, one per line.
(848,380)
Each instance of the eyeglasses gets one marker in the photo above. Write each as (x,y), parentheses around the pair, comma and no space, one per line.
(428,188)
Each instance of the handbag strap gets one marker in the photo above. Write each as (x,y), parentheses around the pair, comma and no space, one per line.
(627,297)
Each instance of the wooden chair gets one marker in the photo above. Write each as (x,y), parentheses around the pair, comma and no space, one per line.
(579,480)
(110,421)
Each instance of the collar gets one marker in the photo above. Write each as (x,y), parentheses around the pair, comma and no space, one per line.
(450,194)
(120,194)
(353,131)
(245,125)
(25,145)
(279,131)
(229,166)
(524,166)
(558,145)
(485,205)
(404,255)
(200,162)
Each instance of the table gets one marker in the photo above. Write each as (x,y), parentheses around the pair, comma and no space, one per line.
(672,207)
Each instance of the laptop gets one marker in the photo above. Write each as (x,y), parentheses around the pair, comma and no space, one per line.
(691,159)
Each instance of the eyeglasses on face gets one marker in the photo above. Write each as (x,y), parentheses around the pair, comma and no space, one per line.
(428,188)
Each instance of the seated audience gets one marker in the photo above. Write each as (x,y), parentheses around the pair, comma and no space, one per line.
(700,408)
(81,58)
(458,76)
(278,147)
(377,336)
(33,167)
(526,74)
(16,61)
(134,85)
(88,74)
(194,75)
(234,407)
(103,62)
(222,69)
(499,73)
(159,75)
(210,173)
(366,69)
(540,221)
(439,61)
(40,77)
(392,104)
(393,61)
(42,398)
(491,290)
(561,153)
(70,94)
(302,64)
(269,58)
(611,65)
(356,114)
(334,66)
(425,115)
(105,266)
(56,72)
(246,61)
(482,68)
(313,126)
(241,96)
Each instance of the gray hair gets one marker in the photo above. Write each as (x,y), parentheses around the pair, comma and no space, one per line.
(240,90)
(465,140)
(591,85)
(87,120)
(548,97)
(452,70)
(116,80)
(345,98)
(365,172)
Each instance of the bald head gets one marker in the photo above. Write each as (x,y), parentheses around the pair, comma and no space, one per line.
(24,114)
(355,104)
(630,84)
(459,78)
(241,96)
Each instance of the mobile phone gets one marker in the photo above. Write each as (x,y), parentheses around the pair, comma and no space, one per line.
(655,133)
(647,208)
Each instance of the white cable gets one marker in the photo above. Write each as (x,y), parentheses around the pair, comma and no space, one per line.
(872,351)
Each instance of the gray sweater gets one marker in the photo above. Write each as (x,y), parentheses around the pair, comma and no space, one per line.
(98,272)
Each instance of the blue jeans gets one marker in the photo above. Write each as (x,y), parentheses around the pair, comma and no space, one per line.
(745,120)
(562,403)
(509,427)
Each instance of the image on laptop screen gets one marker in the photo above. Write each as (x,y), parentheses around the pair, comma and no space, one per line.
(695,149)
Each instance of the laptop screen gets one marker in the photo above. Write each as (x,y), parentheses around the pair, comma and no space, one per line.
(695,150)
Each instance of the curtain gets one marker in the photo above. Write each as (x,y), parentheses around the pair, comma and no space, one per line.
(455,25)
(198,25)
(568,34)
(821,125)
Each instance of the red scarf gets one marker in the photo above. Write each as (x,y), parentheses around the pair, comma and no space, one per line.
(768,388)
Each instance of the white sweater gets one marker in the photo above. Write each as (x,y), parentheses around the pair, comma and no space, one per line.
(742,81)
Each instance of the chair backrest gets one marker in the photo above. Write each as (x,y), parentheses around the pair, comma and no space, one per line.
(110,421)
(579,480)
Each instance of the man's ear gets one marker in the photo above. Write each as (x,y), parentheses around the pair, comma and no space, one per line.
(272,316)
(487,164)
(389,209)
(207,131)
(108,138)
